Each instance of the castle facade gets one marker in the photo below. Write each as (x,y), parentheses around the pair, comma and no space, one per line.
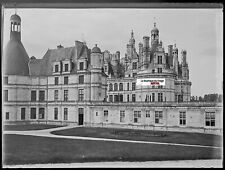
(82,86)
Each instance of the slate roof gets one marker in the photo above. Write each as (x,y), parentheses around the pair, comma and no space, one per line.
(44,66)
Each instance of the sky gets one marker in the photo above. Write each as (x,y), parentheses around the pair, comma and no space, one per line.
(198,31)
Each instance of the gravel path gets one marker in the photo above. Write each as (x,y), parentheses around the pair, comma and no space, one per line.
(46,133)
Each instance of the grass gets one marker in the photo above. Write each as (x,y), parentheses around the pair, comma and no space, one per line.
(28,127)
(144,135)
(19,149)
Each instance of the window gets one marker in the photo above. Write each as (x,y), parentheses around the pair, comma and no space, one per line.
(128,97)
(158,117)
(56,80)
(105,116)
(65,113)
(116,98)
(7,115)
(65,95)
(159,70)
(180,98)
(110,87)
(23,111)
(153,97)
(81,65)
(66,80)
(81,95)
(41,113)
(56,95)
(160,87)
(209,119)
(133,98)
(115,87)
(121,87)
(66,67)
(128,86)
(160,97)
(56,113)
(159,59)
(122,116)
(147,113)
(134,65)
(5,80)
(33,95)
(134,74)
(182,118)
(41,95)
(56,68)
(81,79)
(121,98)
(110,98)
(153,71)
(137,116)
(133,86)
(105,69)
(6,95)
(33,113)
(96,113)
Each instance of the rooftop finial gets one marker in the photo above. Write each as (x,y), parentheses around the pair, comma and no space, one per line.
(132,33)
(15,9)
(95,45)
(154,22)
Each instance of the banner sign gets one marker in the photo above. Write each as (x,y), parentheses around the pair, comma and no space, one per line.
(151,82)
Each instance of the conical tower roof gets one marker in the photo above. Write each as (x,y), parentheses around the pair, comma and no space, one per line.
(15,56)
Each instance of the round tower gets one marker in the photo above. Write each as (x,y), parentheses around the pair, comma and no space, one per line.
(15,56)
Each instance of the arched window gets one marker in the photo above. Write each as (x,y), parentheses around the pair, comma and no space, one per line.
(110,87)
(121,86)
(115,87)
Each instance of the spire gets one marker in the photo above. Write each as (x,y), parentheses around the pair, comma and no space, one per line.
(15,9)
(154,22)
(132,34)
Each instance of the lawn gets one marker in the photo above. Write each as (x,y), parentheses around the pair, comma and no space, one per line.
(20,149)
(28,127)
(144,135)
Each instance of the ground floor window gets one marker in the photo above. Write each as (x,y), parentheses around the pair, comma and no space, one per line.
(182,118)
(137,116)
(33,113)
(122,116)
(56,113)
(23,110)
(158,117)
(41,113)
(7,115)
(106,113)
(65,113)
(210,118)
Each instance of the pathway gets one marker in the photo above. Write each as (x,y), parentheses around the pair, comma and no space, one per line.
(46,133)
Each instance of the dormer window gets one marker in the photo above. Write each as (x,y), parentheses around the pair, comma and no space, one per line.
(56,68)
(135,65)
(81,65)
(159,59)
(66,67)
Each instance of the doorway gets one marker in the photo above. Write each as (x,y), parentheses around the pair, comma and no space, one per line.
(80,116)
